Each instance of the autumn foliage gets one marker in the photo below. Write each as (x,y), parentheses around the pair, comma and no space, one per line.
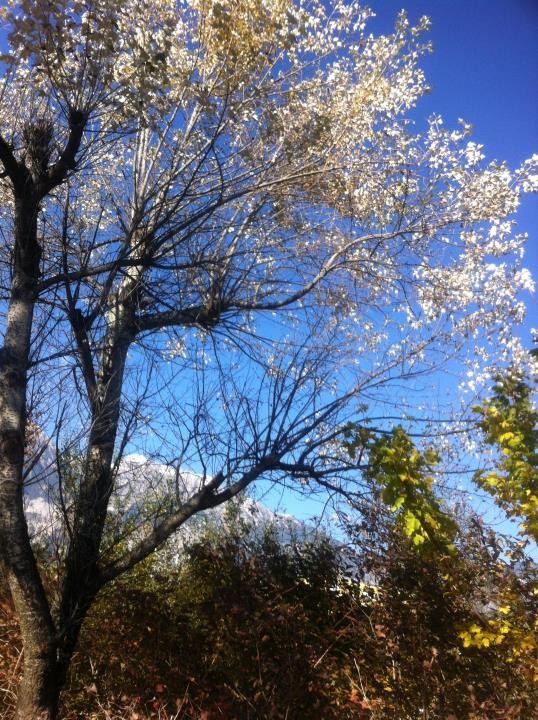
(249,627)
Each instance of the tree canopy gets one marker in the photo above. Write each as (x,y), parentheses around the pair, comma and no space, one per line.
(222,239)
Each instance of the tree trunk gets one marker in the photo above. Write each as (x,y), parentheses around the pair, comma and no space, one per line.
(82,580)
(48,645)
(46,667)
(45,671)
(38,697)
(39,691)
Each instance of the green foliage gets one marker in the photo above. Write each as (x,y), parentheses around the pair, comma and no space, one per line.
(403,474)
(510,423)
(426,601)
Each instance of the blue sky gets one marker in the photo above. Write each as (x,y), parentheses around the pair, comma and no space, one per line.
(484,69)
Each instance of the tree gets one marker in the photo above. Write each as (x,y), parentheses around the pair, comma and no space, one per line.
(219,237)
(509,422)
(449,624)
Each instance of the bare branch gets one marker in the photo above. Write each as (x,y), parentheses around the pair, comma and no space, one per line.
(14,169)
(68,159)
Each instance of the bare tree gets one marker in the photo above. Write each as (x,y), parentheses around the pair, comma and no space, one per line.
(220,240)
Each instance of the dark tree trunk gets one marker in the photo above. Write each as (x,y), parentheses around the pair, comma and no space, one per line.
(42,681)
(82,579)
(39,691)
(38,697)
(47,648)
(82,570)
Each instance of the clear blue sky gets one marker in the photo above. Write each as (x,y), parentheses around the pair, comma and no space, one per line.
(484,69)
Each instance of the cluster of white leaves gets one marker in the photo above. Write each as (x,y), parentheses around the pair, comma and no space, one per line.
(248,168)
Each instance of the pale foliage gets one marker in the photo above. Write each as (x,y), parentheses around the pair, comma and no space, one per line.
(248,178)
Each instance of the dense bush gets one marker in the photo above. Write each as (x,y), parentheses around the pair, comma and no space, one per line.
(247,628)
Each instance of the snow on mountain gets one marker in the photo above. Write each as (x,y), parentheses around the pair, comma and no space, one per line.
(143,483)
(41,488)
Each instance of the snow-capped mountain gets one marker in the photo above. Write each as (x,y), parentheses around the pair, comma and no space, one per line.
(145,488)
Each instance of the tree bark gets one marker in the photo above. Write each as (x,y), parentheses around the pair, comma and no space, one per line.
(47,647)
(41,681)
(38,696)
(82,578)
